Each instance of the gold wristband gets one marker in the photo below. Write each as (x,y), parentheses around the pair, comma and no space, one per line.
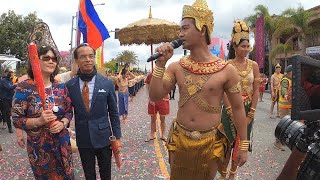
(252,109)
(229,111)
(228,108)
(158,72)
(244,145)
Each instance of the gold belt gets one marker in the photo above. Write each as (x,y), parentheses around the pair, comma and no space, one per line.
(195,135)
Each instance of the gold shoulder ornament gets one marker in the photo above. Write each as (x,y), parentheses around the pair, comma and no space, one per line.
(235,89)
(167,77)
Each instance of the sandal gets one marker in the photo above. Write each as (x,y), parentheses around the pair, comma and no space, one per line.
(223,175)
(149,139)
(163,139)
(234,174)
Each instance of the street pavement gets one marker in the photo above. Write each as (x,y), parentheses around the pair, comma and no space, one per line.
(149,160)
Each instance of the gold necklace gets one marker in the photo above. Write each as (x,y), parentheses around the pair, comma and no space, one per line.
(246,71)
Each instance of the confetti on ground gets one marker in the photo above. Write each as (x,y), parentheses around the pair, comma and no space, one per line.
(139,158)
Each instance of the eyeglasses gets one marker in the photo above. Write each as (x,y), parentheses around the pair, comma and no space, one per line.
(85,57)
(47,58)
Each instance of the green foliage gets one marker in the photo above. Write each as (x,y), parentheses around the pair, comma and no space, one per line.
(127,56)
(111,65)
(14,32)
(281,49)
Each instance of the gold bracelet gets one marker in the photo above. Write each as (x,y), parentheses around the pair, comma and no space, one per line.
(244,145)
(158,72)
(228,108)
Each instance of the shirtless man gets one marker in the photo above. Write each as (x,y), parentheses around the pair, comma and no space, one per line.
(275,88)
(123,93)
(195,142)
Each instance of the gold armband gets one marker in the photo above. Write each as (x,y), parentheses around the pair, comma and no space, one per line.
(244,145)
(229,110)
(251,115)
(168,78)
(235,89)
(158,72)
(258,80)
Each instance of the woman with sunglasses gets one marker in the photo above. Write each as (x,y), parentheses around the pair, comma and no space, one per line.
(48,146)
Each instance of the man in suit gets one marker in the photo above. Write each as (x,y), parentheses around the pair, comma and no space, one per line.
(95,106)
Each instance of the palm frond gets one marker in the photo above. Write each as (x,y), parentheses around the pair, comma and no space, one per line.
(281,49)
(261,9)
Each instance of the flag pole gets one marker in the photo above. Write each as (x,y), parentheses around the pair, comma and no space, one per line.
(77,25)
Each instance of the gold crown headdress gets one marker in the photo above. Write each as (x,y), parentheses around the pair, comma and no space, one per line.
(240,31)
(278,66)
(202,15)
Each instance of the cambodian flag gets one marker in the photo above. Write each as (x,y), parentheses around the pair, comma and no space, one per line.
(93,30)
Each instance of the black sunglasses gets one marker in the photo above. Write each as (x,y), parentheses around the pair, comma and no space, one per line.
(47,58)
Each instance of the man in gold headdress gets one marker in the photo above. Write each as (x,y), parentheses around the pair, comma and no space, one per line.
(275,88)
(196,141)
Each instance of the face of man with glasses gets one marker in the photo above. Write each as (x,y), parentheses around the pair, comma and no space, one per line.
(85,58)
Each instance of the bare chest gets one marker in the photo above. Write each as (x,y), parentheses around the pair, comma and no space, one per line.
(205,85)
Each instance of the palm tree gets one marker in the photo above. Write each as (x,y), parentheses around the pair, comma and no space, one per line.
(280,49)
(270,26)
(111,65)
(296,23)
(128,57)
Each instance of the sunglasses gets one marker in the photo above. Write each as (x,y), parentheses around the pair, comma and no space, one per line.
(47,58)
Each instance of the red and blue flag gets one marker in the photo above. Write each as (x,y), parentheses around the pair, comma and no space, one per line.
(94,32)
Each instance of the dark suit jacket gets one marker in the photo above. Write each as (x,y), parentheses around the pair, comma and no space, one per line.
(93,128)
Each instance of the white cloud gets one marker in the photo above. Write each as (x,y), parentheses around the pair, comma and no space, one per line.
(119,13)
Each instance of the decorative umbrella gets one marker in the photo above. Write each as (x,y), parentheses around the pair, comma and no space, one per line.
(149,31)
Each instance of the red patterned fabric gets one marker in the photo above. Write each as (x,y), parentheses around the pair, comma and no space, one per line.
(163,106)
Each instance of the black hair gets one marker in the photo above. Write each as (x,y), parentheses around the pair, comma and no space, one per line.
(9,74)
(232,51)
(123,72)
(42,50)
(75,52)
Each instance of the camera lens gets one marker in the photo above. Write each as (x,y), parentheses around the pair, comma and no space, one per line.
(289,131)
(310,168)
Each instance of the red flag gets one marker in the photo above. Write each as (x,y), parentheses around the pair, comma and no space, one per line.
(93,30)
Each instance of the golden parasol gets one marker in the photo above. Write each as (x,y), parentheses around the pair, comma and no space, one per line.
(149,31)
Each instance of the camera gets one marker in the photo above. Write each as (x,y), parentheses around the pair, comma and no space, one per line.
(300,131)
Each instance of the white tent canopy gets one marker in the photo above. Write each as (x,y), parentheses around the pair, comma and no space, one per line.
(8,61)
(4,57)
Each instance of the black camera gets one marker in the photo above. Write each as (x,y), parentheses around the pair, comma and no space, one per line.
(301,131)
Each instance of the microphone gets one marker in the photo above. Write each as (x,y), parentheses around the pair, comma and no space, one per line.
(175,44)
